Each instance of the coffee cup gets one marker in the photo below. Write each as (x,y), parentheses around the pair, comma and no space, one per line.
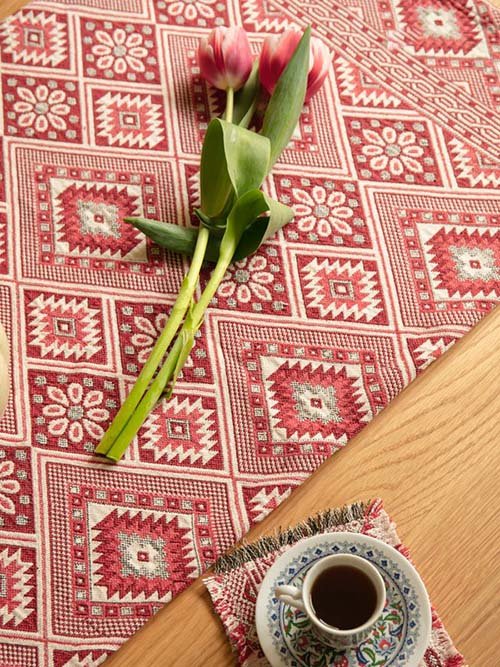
(343,596)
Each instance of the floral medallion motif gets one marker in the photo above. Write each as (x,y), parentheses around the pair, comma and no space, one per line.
(42,108)
(71,412)
(120,51)
(140,325)
(393,151)
(202,13)
(326,211)
(16,501)
(255,284)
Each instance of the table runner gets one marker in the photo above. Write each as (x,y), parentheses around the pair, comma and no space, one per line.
(239,575)
(393,255)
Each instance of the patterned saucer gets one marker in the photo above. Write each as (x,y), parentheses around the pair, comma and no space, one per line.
(399,638)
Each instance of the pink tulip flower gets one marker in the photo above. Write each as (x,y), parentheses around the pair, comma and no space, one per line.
(225,58)
(278,50)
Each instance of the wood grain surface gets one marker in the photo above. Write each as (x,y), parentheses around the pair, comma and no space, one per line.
(433,456)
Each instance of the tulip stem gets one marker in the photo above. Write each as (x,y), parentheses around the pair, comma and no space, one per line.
(177,355)
(229,104)
(144,396)
(157,353)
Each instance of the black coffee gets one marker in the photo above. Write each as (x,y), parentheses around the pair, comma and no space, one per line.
(343,597)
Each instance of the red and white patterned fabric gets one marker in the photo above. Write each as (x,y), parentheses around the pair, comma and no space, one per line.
(234,596)
(393,255)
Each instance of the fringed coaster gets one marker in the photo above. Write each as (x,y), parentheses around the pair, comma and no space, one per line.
(239,574)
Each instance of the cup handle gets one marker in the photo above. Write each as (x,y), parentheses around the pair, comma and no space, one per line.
(290,595)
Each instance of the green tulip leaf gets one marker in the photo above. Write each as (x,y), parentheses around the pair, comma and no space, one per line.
(243,214)
(175,238)
(248,225)
(233,160)
(283,111)
(263,227)
(254,218)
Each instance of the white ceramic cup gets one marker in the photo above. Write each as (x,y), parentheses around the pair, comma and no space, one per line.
(300,598)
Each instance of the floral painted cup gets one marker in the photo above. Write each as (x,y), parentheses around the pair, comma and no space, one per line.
(4,370)
(300,598)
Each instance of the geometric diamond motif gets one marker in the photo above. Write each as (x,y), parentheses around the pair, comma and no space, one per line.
(472,169)
(260,501)
(88,219)
(35,38)
(301,394)
(142,555)
(463,263)
(345,289)
(62,327)
(441,27)
(79,659)
(310,400)
(129,541)
(125,120)
(70,222)
(17,588)
(183,432)
(357,88)
(425,350)
(261,15)
(444,253)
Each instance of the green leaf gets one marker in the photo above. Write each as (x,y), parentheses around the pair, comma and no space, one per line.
(246,98)
(244,213)
(283,111)
(233,159)
(175,238)
(245,223)
(263,227)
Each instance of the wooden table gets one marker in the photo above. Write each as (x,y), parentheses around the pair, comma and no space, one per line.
(433,456)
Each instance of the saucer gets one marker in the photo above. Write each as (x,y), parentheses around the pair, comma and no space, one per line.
(399,638)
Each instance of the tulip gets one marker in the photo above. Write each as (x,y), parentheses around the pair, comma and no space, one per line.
(278,50)
(225,58)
